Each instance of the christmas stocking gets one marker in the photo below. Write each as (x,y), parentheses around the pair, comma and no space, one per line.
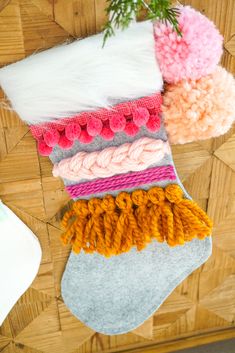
(138,210)
(134,230)
(20,256)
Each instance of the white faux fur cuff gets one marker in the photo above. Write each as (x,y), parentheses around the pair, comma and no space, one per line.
(82,76)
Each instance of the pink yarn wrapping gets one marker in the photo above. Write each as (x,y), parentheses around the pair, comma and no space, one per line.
(126,117)
(122,181)
(134,156)
(193,55)
(201,109)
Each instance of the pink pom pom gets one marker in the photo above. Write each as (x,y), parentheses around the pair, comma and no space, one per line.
(51,137)
(107,133)
(154,123)
(94,126)
(85,137)
(43,149)
(64,143)
(131,129)
(193,55)
(140,116)
(72,131)
(117,122)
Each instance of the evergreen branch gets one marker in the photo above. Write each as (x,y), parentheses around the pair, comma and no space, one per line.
(122,12)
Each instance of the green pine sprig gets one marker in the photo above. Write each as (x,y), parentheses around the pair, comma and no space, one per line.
(122,12)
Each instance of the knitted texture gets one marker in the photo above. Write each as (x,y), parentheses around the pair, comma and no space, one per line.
(201,109)
(111,226)
(127,117)
(134,156)
(122,181)
(192,55)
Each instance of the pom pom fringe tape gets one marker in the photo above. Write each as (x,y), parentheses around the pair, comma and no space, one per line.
(122,181)
(127,117)
(111,226)
(134,156)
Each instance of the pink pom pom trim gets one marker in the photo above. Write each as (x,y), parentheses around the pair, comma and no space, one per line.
(126,117)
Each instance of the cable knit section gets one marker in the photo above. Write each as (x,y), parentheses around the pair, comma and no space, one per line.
(122,181)
(128,157)
(127,117)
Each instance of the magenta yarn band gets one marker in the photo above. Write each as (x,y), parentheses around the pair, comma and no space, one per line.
(122,181)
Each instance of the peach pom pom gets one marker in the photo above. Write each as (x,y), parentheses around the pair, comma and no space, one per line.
(201,109)
(193,55)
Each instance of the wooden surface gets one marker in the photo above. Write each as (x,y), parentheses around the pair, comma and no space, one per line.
(202,308)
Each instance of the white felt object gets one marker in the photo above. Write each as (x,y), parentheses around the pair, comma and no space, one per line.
(20,256)
(82,76)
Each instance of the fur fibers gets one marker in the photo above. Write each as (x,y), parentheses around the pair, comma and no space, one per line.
(83,76)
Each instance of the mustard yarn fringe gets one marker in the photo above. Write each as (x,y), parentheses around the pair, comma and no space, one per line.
(111,226)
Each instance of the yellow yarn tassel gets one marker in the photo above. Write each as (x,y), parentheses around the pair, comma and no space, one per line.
(196,223)
(111,226)
(110,222)
(95,227)
(127,230)
(156,222)
(140,199)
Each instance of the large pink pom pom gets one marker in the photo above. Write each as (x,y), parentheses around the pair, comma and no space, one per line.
(51,137)
(193,55)
(198,110)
